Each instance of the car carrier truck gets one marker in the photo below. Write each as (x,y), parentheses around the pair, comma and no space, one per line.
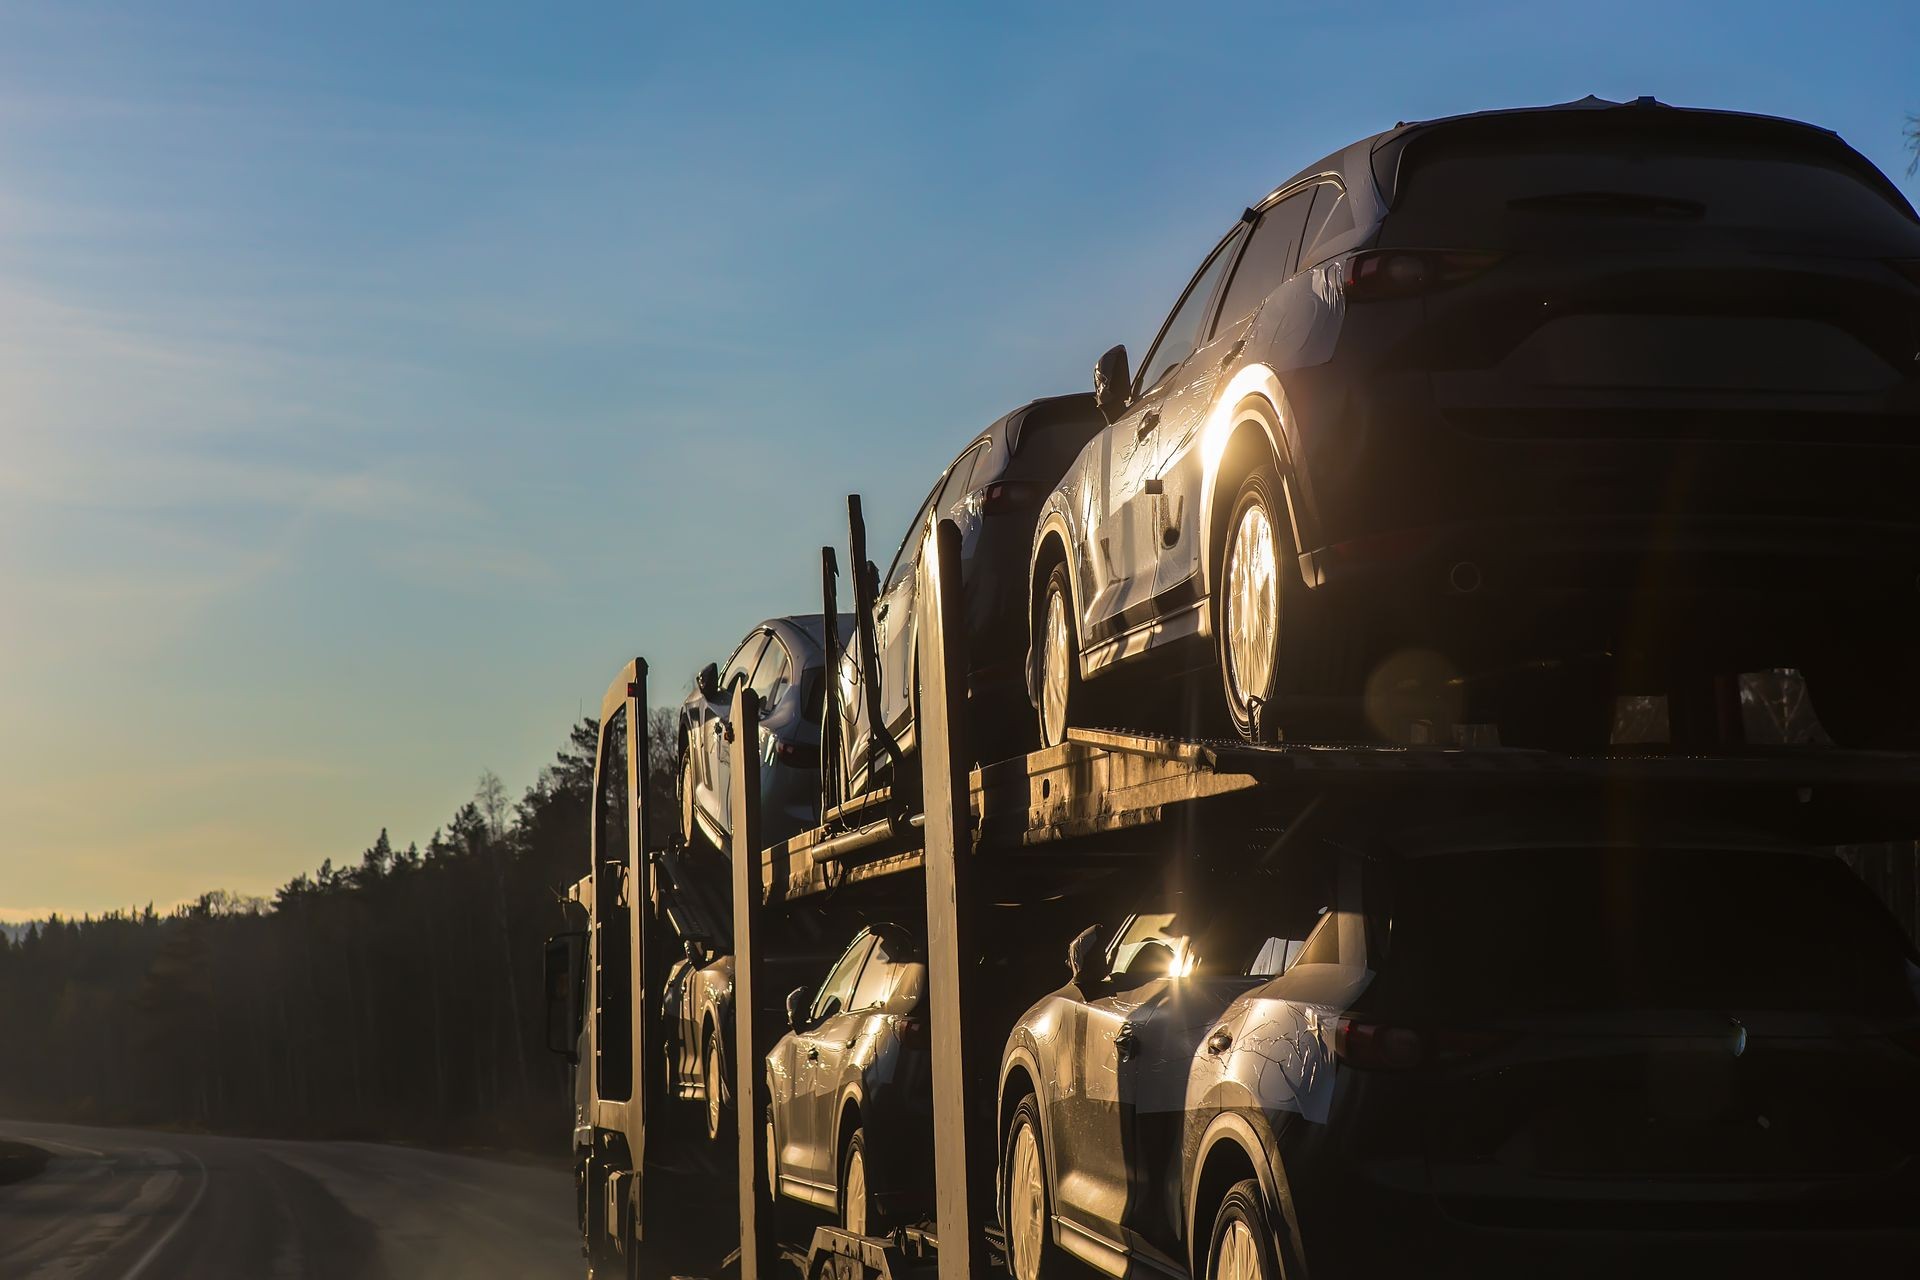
(1000,866)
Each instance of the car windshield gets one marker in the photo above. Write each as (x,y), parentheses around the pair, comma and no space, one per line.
(1562,930)
(1520,194)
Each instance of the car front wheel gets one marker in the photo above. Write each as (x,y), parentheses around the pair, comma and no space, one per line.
(1242,1244)
(1026,1211)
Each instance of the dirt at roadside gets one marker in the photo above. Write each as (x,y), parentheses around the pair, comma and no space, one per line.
(19,1161)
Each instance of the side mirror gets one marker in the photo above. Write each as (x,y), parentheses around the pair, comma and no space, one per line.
(1112,381)
(797,1008)
(564,981)
(708,682)
(1087,957)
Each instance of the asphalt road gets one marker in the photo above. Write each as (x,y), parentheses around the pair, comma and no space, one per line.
(124,1204)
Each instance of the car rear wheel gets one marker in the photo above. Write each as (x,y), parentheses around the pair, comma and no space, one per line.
(1260,612)
(1060,695)
(1242,1244)
(857,1213)
(1026,1213)
(713,1077)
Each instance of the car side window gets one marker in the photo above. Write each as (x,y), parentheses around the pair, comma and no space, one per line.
(772,674)
(903,559)
(1268,259)
(1148,947)
(1331,218)
(954,488)
(1182,332)
(876,980)
(840,982)
(740,666)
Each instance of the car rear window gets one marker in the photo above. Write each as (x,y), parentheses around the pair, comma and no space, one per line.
(1050,439)
(1598,189)
(1614,929)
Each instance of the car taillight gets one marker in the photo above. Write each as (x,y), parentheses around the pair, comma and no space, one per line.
(1908,267)
(1377,1046)
(1373,1046)
(1373,274)
(912,1033)
(796,754)
(1002,495)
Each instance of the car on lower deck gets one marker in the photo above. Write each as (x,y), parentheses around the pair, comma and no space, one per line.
(1516,388)
(783,661)
(1689,1050)
(850,1126)
(992,491)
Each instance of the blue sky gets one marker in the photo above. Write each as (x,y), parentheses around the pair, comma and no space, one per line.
(375,379)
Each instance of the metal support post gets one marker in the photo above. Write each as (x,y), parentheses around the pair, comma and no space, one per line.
(752,1033)
(963,1169)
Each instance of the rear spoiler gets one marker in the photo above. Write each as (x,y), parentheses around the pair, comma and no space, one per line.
(1643,117)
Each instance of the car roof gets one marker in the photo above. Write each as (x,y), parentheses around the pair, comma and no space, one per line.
(805,634)
(1013,422)
(1377,157)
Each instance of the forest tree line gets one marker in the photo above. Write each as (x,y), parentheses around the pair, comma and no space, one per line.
(396,995)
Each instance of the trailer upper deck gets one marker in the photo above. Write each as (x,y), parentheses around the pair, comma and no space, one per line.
(1100,782)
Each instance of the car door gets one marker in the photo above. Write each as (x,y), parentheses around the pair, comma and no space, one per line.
(1092,1138)
(822,1046)
(1128,532)
(718,798)
(1262,266)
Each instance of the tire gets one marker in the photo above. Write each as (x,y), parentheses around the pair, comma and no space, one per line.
(1057,636)
(858,1213)
(1026,1199)
(1241,1246)
(713,1081)
(1256,592)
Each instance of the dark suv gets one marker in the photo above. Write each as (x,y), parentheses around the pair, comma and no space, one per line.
(1597,378)
(1572,1055)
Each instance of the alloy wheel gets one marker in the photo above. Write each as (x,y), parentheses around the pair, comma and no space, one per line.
(713,1082)
(853,1195)
(1056,654)
(1251,608)
(1238,1257)
(1026,1205)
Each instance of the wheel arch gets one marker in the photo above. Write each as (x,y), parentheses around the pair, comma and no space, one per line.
(1251,428)
(1231,1150)
(1020,1075)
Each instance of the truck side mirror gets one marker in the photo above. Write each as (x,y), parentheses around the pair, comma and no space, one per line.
(1112,381)
(564,980)
(1087,957)
(707,683)
(797,1008)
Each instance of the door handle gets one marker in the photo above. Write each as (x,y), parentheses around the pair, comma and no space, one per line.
(1127,1043)
(1233,352)
(1220,1041)
(1148,421)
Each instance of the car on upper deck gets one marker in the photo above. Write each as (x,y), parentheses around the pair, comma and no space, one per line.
(1562,1040)
(1608,378)
(783,661)
(992,491)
